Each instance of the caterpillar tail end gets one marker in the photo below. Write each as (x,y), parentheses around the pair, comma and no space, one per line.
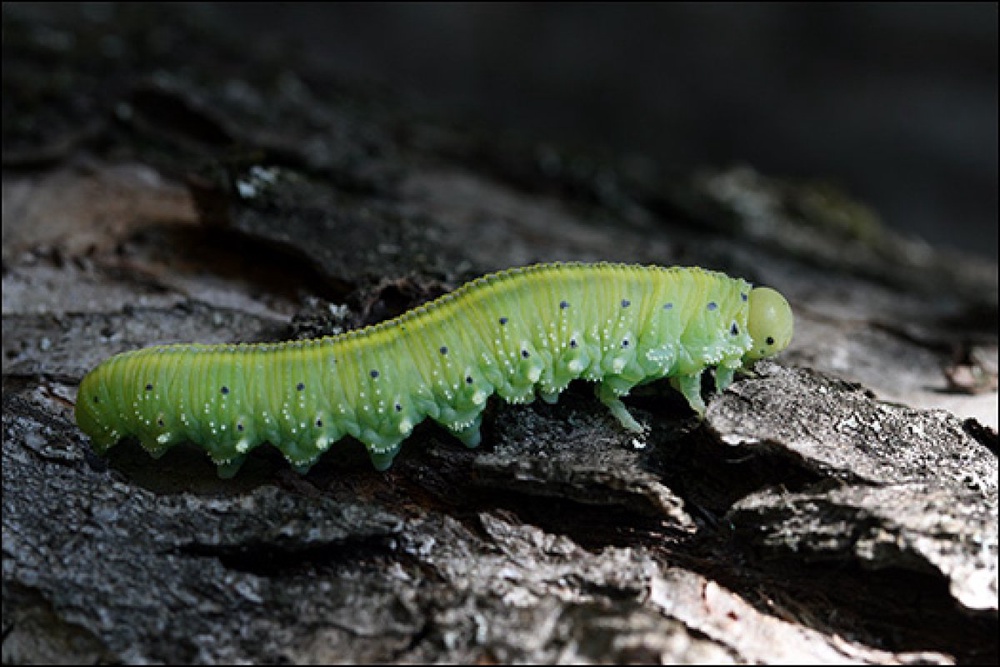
(91,420)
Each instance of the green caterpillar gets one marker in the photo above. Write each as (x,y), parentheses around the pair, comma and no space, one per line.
(516,332)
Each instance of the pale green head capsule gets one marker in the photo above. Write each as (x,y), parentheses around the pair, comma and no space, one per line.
(770,323)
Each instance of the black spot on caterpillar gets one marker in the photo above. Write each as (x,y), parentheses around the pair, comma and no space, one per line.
(513,333)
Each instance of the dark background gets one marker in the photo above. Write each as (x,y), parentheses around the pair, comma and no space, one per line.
(895,103)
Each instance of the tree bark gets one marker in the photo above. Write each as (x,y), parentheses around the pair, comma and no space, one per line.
(840,504)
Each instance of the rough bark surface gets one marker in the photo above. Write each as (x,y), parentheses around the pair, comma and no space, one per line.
(838,506)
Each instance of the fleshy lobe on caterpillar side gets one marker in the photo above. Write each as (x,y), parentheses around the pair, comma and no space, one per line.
(517,333)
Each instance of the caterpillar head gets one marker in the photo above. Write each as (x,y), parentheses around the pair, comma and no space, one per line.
(770,323)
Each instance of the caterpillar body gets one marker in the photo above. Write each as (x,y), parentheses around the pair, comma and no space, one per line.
(515,333)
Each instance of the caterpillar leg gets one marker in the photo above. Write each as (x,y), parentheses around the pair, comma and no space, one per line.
(549,397)
(612,399)
(724,377)
(227,469)
(469,435)
(382,457)
(690,386)
(302,468)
